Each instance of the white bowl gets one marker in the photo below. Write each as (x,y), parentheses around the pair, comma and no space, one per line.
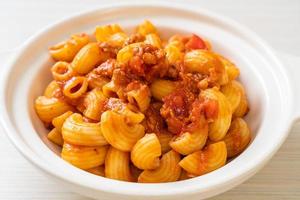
(272,91)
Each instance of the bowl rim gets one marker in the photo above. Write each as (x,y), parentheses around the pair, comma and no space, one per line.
(30,155)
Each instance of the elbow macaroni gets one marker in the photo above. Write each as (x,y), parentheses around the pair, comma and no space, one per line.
(135,107)
(113,34)
(233,92)
(66,51)
(94,104)
(219,127)
(62,71)
(207,160)
(146,28)
(118,133)
(55,136)
(117,165)
(52,89)
(161,88)
(87,58)
(145,153)
(237,138)
(49,108)
(189,142)
(141,97)
(153,39)
(76,131)
(75,87)
(168,170)
(84,157)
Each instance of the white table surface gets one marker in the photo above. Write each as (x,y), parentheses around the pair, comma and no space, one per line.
(277,21)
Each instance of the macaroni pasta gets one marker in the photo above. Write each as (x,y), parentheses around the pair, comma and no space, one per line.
(136,107)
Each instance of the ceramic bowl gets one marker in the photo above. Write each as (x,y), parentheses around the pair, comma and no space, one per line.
(271,87)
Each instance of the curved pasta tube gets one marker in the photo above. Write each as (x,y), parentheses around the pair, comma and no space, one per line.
(49,108)
(131,116)
(99,171)
(67,50)
(76,131)
(52,89)
(118,133)
(237,138)
(62,71)
(209,159)
(203,61)
(126,53)
(59,121)
(145,153)
(189,142)
(117,39)
(233,91)
(117,165)
(242,109)
(219,127)
(113,34)
(153,39)
(164,139)
(75,87)
(87,58)
(168,170)
(146,28)
(141,97)
(231,70)
(94,103)
(173,53)
(161,88)
(103,33)
(55,136)
(178,41)
(84,157)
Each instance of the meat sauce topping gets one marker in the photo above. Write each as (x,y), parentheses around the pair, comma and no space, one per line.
(183,111)
(147,63)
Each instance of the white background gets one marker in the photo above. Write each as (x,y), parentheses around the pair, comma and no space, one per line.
(276,21)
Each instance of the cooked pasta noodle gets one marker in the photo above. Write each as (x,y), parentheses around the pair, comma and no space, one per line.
(118,133)
(168,170)
(117,165)
(76,131)
(206,160)
(67,50)
(219,127)
(237,138)
(49,108)
(84,157)
(145,153)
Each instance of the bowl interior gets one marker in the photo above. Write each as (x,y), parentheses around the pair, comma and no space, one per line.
(261,75)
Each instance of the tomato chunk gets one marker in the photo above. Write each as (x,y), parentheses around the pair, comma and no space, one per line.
(195,42)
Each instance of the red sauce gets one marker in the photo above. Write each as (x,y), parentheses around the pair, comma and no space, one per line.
(106,68)
(153,123)
(184,112)
(147,63)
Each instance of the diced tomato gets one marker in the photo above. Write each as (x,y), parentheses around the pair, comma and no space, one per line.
(195,42)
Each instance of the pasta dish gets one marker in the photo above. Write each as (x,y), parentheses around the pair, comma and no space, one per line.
(139,108)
